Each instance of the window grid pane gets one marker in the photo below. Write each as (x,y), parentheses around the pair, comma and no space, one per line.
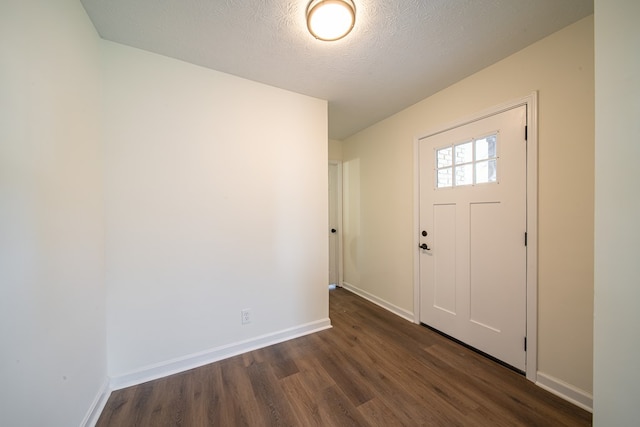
(445,177)
(486,171)
(464,175)
(464,153)
(445,157)
(486,148)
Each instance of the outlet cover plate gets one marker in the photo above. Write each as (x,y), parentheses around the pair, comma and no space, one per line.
(245,316)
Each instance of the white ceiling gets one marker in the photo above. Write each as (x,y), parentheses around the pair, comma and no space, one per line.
(399,52)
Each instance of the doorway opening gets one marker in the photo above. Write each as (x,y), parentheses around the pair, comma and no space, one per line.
(335,224)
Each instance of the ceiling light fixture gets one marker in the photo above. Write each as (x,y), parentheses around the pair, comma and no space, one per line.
(330,20)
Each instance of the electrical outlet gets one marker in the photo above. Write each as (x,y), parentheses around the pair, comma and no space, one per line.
(245,316)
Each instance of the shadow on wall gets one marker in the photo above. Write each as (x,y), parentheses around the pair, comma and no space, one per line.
(351,220)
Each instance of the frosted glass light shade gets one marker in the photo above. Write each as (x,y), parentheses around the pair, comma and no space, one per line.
(330,20)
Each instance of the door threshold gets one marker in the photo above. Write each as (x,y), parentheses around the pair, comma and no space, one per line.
(475,350)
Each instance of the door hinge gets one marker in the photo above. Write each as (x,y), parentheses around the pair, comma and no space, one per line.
(525,343)
(526,133)
(525,238)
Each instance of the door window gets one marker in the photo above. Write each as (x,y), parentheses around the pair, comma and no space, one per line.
(467,163)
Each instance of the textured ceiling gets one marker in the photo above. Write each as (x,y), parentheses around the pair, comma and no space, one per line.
(399,52)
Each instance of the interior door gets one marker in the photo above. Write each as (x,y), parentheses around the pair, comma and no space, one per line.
(334,218)
(472,234)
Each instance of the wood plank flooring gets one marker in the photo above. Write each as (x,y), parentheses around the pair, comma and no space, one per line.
(371,369)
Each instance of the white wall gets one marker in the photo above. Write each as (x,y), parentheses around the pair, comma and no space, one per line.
(335,149)
(216,201)
(378,179)
(617,230)
(52,299)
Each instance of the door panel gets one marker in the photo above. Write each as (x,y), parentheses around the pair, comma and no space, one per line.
(444,228)
(473,208)
(484,263)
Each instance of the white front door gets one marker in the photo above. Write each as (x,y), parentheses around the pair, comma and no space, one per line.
(472,225)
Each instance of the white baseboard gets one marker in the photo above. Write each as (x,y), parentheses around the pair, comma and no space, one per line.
(184,363)
(566,391)
(405,314)
(91,418)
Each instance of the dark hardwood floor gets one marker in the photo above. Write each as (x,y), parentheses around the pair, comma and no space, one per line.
(371,369)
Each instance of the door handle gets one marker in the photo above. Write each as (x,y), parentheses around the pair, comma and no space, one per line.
(425,247)
(333,230)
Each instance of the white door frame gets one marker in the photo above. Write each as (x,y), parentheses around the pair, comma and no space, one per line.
(531,102)
(340,263)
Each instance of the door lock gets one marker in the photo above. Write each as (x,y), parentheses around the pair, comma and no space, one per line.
(424,245)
